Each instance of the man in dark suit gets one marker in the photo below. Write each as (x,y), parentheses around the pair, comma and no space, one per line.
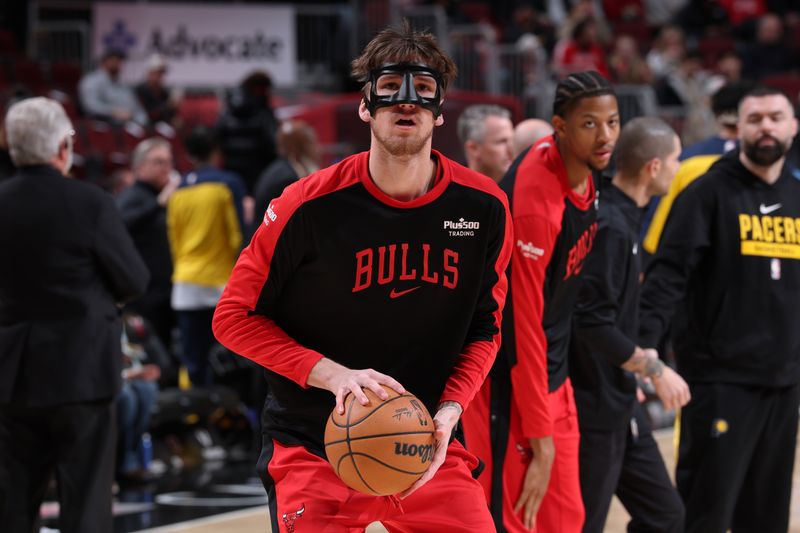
(67,261)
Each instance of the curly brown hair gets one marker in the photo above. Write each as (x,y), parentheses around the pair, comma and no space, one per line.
(403,44)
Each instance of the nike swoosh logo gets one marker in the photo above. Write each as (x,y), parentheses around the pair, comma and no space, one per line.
(398,294)
(767,209)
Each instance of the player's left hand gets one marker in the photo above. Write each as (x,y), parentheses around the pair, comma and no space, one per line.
(445,422)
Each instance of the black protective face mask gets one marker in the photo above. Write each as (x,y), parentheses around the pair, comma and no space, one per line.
(405,83)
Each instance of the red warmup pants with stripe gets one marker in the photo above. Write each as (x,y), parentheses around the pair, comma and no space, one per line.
(305,495)
(489,421)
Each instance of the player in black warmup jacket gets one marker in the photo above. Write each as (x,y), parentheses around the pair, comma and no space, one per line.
(728,268)
(618,454)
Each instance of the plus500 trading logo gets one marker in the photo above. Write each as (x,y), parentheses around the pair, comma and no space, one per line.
(461,224)
(461,227)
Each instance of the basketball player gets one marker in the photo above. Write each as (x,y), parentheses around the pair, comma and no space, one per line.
(523,422)
(728,268)
(386,268)
(618,454)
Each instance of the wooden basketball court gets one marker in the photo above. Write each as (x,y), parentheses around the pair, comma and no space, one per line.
(255,520)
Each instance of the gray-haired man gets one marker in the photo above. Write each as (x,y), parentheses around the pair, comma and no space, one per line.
(486,132)
(67,262)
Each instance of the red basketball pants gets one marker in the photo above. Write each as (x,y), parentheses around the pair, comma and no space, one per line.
(561,510)
(306,496)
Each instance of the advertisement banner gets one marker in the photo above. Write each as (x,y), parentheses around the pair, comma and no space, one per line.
(202,44)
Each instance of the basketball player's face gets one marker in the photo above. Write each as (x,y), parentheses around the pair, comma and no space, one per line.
(402,129)
(590,130)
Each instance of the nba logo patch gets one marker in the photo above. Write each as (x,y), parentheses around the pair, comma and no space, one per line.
(775,268)
(719,426)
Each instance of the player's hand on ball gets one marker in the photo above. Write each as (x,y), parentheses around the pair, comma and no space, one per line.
(671,389)
(445,422)
(537,477)
(341,381)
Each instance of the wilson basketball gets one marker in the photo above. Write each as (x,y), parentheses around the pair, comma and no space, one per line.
(383,447)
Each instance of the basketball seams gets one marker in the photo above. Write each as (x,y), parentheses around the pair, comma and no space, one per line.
(350,449)
(381,406)
(353,461)
(356,422)
(387,465)
(331,443)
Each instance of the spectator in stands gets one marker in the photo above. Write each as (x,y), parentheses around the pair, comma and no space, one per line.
(525,20)
(727,70)
(769,53)
(299,156)
(105,97)
(566,14)
(202,146)
(660,12)
(623,10)
(685,90)
(486,132)
(627,64)
(153,94)
(135,404)
(60,358)
(701,17)
(527,132)
(205,236)
(739,11)
(248,127)
(143,208)
(684,85)
(667,51)
(581,52)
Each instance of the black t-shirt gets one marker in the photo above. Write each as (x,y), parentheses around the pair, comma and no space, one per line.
(339,269)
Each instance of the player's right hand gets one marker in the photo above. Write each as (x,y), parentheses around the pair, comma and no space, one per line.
(537,477)
(671,389)
(341,381)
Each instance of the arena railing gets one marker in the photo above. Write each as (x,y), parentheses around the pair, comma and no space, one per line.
(57,41)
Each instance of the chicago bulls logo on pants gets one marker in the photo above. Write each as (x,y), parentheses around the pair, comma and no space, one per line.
(289,518)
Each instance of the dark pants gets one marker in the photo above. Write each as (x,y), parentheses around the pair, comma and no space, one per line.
(736,458)
(628,463)
(76,441)
(196,342)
